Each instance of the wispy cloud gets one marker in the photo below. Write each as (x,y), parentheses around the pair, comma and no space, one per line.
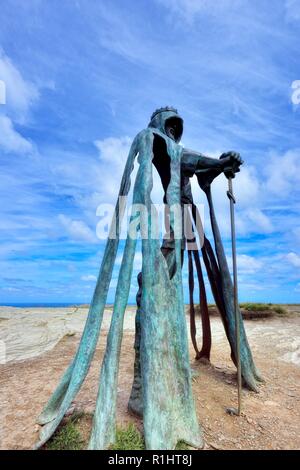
(19,97)
(294,259)
(77,229)
(11,140)
(77,95)
(20,93)
(189,9)
(89,277)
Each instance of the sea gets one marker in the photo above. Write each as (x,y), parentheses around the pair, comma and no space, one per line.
(50,305)
(41,304)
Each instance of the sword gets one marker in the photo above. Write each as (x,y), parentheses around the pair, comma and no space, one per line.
(235,411)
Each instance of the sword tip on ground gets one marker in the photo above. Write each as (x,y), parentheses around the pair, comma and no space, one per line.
(233,411)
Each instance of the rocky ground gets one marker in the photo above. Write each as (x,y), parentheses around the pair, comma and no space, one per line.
(36,345)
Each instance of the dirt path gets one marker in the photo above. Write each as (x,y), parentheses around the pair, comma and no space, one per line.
(270,419)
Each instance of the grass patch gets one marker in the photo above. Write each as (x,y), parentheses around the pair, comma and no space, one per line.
(128,439)
(260,307)
(279,310)
(182,446)
(67,437)
(256,307)
(265,309)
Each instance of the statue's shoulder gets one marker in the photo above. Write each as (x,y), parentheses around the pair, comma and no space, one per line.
(145,133)
(145,137)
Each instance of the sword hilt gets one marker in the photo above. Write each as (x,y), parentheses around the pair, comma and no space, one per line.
(231,196)
(229,173)
(230,188)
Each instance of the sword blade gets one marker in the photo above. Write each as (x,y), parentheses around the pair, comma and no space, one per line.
(235,294)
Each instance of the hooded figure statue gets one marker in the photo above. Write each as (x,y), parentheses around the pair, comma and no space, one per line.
(161,391)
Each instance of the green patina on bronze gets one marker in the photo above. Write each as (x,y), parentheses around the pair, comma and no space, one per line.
(161,391)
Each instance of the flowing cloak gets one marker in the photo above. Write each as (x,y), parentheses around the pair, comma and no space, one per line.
(163,363)
(168,407)
(220,281)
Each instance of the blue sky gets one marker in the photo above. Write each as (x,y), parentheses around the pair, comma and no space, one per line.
(82,78)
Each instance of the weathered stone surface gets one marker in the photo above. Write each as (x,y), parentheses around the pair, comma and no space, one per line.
(29,332)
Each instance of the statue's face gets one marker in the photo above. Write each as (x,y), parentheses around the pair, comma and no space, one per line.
(174,129)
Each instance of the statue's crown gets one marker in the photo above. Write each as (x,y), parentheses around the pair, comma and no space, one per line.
(161,110)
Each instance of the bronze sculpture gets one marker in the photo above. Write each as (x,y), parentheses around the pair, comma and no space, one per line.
(161,391)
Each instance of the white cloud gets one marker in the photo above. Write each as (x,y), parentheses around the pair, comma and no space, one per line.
(10,139)
(113,150)
(249,194)
(113,154)
(296,233)
(20,94)
(89,277)
(263,197)
(88,179)
(282,173)
(247,264)
(293,259)
(253,220)
(77,229)
(251,287)
(11,289)
(189,9)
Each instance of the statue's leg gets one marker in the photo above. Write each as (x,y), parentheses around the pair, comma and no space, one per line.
(135,404)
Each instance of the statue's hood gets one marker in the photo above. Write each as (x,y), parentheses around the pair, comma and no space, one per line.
(160,120)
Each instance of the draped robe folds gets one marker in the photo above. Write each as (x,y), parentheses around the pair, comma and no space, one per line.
(169,412)
(162,377)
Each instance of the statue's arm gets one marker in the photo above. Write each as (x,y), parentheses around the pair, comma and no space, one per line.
(192,161)
(207,168)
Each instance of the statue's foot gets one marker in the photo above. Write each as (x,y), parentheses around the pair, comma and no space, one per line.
(259,377)
(135,407)
(251,379)
(203,358)
(250,383)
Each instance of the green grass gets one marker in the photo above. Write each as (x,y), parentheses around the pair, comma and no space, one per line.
(128,438)
(255,307)
(67,437)
(182,446)
(260,307)
(279,310)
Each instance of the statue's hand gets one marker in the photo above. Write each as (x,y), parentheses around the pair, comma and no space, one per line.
(231,162)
